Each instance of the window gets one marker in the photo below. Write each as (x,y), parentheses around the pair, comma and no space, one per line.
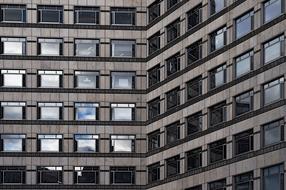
(173,64)
(194,88)
(243,64)
(123,16)
(122,143)
(86,15)
(273,177)
(273,49)
(50,79)
(195,188)
(173,30)
(194,123)
(86,174)
(50,111)
(273,132)
(171,3)
(123,48)
(13,46)
(244,103)
(86,79)
(154,172)
(13,78)
(194,159)
(272,9)
(218,185)
(123,80)
(217,114)
(13,13)
(13,110)
(194,52)
(87,47)
(154,75)
(49,143)
(216,6)
(12,174)
(218,76)
(194,16)
(123,112)
(86,143)
(86,111)
(173,166)
(218,38)
(243,181)
(273,91)
(173,98)
(50,14)
(50,47)
(243,142)
(217,151)
(49,174)
(244,24)
(122,175)
(172,133)
(154,43)
(154,140)
(154,108)
(154,11)
(12,142)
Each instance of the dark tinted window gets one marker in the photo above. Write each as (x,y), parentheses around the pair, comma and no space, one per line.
(194,158)
(217,114)
(244,103)
(171,3)
(194,123)
(244,181)
(273,132)
(154,75)
(13,13)
(154,172)
(194,52)
(123,16)
(273,91)
(122,175)
(154,43)
(50,14)
(217,151)
(173,98)
(154,11)
(194,88)
(86,15)
(273,178)
(194,16)
(50,174)
(173,166)
(173,64)
(86,174)
(154,108)
(173,30)
(218,38)
(218,185)
(154,140)
(243,142)
(173,132)
(12,175)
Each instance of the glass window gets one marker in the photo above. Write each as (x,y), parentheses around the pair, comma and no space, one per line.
(13,78)
(217,114)
(218,38)
(195,188)
(217,5)
(154,11)
(50,79)
(12,174)
(13,110)
(86,15)
(122,112)
(154,140)
(243,64)
(273,177)
(154,75)
(273,91)
(194,123)
(172,133)
(86,111)
(173,30)
(194,52)
(154,43)
(49,143)
(272,9)
(12,142)
(86,79)
(244,103)
(123,16)
(244,181)
(50,111)
(122,175)
(13,46)
(122,143)
(86,48)
(173,166)
(194,159)
(50,174)
(243,142)
(194,88)
(218,76)
(218,185)
(173,98)
(273,132)
(50,47)
(86,143)
(217,151)
(154,108)
(173,64)
(194,16)
(171,3)
(244,24)
(154,172)
(123,48)
(86,174)
(273,49)
(13,13)
(122,80)
(50,14)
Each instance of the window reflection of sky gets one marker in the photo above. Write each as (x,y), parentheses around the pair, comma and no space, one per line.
(12,145)
(85,113)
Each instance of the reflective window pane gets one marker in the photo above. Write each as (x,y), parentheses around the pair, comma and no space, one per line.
(244,103)
(49,143)
(85,79)
(122,143)
(273,178)
(272,9)
(273,133)
(13,110)
(122,16)
(12,175)
(50,113)
(123,48)
(218,76)
(121,112)
(13,46)
(122,175)
(273,91)
(86,143)
(154,11)
(13,13)
(13,80)
(87,48)
(273,49)
(244,24)
(243,64)
(50,14)
(86,174)
(86,111)
(86,15)
(217,5)
(122,80)
(13,143)
(244,181)
(218,39)
(173,30)
(50,47)
(50,175)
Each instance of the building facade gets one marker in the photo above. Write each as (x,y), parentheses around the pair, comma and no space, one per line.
(143,94)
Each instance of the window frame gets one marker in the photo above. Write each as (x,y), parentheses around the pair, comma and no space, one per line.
(174,94)
(241,58)
(21,73)
(223,181)
(58,137)
(131,106)
(114,74)
(54,41)
(19,105)
(214,108)
(13,169)
(154,6)
(172,130)
(213,12)
(91,169)
(154,72)
(174,160)
(241,136)
(216,33)
(112,48)
(237,181)
(58,105)
(264,10)
(78,73)
(41,73)
(193,117)
(173,64)
(212,76)
(88,9)
(194,154)
(59,9)
(197,47)
(271,125)
(151,169)
(19,137)
(241,97)
(154,137)
(195,82)
(18,7)
(240,19)
(217,144)
(273,41)
(173,30)
(122,10)
(154,108)
(93,42)
(122,137)
(57,169)
(197,11)
(125,169)
(270,84)
(154,43)
(14,39)
(78,105)
(91,137)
